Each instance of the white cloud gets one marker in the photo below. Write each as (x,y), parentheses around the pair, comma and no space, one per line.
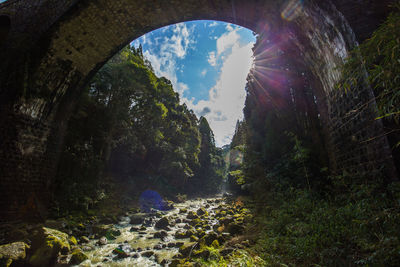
(227,41)
(203,72)
(212,59)
(229,27)
(171,48)
(226,98)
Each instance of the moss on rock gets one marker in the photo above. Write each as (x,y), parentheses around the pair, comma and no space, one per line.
(46,245)
(12,252)
(77,257)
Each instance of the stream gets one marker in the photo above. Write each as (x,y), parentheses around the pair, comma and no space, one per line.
(141,241)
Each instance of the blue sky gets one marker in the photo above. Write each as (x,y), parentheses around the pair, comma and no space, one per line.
(207,63)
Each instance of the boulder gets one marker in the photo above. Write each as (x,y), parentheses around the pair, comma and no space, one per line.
(100,230)
(87,248)
(167,205)
(72,240)
(138,218)
(108,219)
(203,253)
(112,234)
(121,254)
(134,229)
(201,211)
(187,248)
(215,244)
(46,245)
(102,241)
(161,234)
(226,220)
(180,234)
(182,210)
(77,257)
(84,239)
(12,252)
(191,215)
(158,247)
(178,244)
(209,238)
(194,238)
(148,254)
(163,223)
(147,222)
(235,229)
(195,222)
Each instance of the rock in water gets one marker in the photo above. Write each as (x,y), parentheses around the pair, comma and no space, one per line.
(102,241)
(147,254)
(163,223)
(84,239)
(138,218)
(12,252)
(186,249)
(161,234)
(77,257)
(46,245)
(201,211)
(100,230)
(191,215)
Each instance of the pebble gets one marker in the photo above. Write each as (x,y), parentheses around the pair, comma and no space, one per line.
(102,241)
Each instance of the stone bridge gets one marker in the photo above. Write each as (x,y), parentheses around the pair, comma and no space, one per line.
(50,49)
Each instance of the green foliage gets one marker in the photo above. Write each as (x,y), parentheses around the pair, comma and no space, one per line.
(303,229)
(239,176)
(130,125)
(239,258)
(380,56)
(210,175)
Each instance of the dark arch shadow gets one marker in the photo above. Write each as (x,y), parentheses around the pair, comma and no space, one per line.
(5,25)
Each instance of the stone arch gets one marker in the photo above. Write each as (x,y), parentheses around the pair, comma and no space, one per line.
(5,25)
(62,49)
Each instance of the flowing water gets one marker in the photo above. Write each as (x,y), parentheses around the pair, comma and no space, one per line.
(136,245)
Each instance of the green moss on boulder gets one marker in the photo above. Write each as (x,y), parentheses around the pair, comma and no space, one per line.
(77,257)
(187,248)
(46,245)
(12,252)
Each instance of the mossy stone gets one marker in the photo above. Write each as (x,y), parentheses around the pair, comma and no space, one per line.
(201,211)
(72,240)
(215,244)
(194,238)
(11,252)
(77,257)
(46,245)
(187,248)
(203,253)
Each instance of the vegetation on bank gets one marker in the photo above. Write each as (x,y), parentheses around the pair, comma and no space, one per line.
(305,215)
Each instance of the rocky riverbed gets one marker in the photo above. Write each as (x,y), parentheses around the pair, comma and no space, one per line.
(188,233)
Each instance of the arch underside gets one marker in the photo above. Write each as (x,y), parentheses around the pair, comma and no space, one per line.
(57,46)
